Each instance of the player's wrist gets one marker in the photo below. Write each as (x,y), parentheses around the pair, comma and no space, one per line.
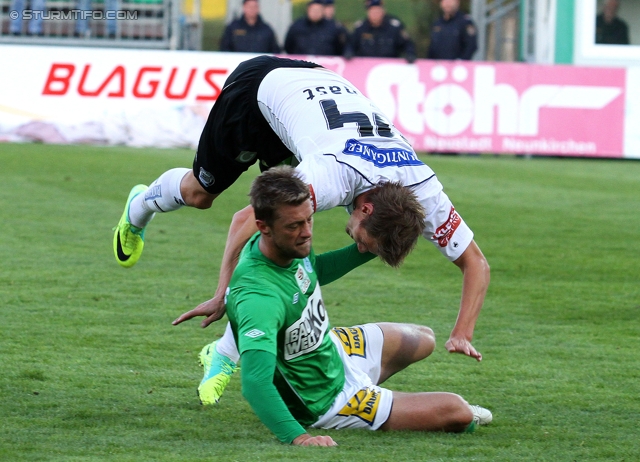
(298,440)
(461,336)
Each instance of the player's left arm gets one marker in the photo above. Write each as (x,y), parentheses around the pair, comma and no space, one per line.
(475,282)
(334,264)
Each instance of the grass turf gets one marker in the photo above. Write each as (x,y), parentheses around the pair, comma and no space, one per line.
(93,369)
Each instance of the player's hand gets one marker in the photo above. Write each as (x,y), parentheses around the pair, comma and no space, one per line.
(462,345)
(307,440)
(213,309)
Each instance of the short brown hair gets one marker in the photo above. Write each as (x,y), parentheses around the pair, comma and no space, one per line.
(396,223)
(275,187)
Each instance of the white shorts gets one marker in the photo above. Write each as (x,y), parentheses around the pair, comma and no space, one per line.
(445,227)
(361,403)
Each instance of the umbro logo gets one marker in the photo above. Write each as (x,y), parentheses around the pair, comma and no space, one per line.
(253,333)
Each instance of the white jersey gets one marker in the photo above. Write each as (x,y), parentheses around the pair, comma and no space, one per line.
(346,145)
(318,114)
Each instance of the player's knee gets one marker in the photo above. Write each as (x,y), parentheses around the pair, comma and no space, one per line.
(198,199)
(460,415)
(193,194)
(427,340)
(202,202)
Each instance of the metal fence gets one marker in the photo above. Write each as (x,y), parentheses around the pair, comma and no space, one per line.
(499,25)
(161,24)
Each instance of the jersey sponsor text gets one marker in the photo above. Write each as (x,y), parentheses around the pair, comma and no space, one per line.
(306,334)
(352,339)
(363,405)
(381,157)
(445,231)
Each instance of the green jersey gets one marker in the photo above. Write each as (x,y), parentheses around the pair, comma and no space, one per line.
(279,310)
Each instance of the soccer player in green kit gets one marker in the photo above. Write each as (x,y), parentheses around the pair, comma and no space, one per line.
(299,372)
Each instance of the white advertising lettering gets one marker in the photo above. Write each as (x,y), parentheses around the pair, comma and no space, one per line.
(449,109)
(306,334)
(485,107)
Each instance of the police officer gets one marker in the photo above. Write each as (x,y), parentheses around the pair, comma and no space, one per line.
(313,34)
(454,35)
(250,33)
(380,35)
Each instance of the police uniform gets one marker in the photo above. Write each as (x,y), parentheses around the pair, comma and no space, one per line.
(389,40)
(323,38)
(453,38)
(239,36)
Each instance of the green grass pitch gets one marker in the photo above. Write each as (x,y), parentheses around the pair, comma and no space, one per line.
(92,368)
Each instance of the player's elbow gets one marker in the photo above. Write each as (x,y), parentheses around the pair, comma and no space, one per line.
(244,214)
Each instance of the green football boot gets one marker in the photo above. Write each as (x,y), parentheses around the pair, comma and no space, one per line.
(128,240)
(218,370)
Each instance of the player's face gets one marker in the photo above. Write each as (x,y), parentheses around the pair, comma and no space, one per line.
(292,231)
(354,229)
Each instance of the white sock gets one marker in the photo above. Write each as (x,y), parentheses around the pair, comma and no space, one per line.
(163,195)
(226,346)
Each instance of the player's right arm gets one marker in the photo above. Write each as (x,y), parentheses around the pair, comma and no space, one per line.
(242,227)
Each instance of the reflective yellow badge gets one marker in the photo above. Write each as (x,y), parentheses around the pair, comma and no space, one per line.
(352,339)
(363,405)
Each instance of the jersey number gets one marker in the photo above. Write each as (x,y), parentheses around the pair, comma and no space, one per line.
(336,119)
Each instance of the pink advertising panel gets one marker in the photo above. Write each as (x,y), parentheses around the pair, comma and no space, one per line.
(497,107)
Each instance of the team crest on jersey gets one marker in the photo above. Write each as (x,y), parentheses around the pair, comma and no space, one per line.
(306,334)
(445,231)
(352,339)
(303,279)
(307,265)
(206,178)
(363,405)
(380,158)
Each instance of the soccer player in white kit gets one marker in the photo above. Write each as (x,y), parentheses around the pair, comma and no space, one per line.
(349,154)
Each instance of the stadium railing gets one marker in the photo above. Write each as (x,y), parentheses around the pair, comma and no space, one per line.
(159,24)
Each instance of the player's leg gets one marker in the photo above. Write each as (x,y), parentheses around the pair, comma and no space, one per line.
(165,194)
(435,411)
(218,163)
(404,344)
